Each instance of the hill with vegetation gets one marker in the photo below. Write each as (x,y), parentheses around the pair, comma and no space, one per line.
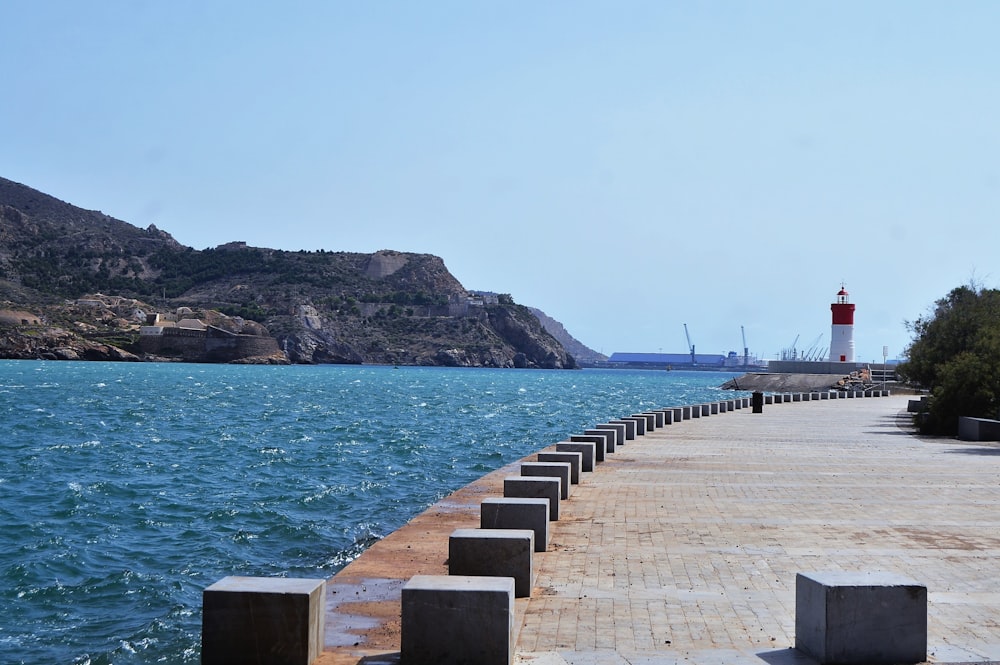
(79,283)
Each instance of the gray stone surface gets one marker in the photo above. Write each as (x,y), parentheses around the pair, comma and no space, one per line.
(586,448)
(517,513)
(457,619)
(526,487)
(860,618)
(494,553)
(284,615)
(561,470)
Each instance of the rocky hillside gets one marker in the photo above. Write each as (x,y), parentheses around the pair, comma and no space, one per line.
(583,354)
(321,307)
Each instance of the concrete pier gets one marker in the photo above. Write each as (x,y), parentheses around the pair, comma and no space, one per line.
(685,547)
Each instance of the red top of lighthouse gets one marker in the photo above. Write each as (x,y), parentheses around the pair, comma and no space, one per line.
(843,311)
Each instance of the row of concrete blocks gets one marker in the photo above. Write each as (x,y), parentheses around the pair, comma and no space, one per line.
(778,398)
(467,615)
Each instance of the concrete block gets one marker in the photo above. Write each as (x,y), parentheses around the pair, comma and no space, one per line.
(978,429)
(587,449)
(561,470)
(617,431)
(668,416)
(575,461)
(285,616)
(457,619)
(513,513)
(541,487)
(649,418)
(696,411)
(630,428)
(768,399)
(602,443)
(739,402)
(494,553)
(640,424)
(724,406)
(686,412)
(796,397)
(731,404)
(860,618)
(824,395)
(714,408)
(706,410)
(657,419)
(678,414)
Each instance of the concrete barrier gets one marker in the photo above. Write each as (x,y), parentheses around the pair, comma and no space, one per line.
(561,470)
(714,408)
(649,418)
(541,487)
(618,432)
(824,395)
(706,410)
(696,411)
(603,443)
(657,419)
(738,402)
(724,406)
(494,553)
(668,416)
(918,405)
(285,616)
(730,404)
(514,513)
(796,397)
(588,450)
(457,619)
(860,618)
(640,424)
(678,414)
(978,429)
(575,461)
(685,412)
(631,427)
(768,399)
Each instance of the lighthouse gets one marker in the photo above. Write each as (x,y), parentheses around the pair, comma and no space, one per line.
(842,334)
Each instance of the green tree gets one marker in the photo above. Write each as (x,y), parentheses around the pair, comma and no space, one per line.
(956,355)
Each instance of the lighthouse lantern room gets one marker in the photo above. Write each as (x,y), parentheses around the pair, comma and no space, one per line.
(842,335)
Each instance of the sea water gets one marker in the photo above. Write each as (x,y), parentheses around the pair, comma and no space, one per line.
(126,489)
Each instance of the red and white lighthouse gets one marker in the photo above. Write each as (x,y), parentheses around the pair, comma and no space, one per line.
(842,334)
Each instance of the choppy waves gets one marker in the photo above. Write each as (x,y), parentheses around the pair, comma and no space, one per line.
(126,489)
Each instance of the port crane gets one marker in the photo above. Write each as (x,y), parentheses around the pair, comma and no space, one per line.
(690,345)
(746,352)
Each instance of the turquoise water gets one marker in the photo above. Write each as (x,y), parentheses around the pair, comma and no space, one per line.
(126,489)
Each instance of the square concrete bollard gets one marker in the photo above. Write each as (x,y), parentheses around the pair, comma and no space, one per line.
(585,448)
(631,427)
(768,399)
(723,407)
(285,616)
(715,408)
(575,461)
(731,404)
(686,413)
(825,395)
(678,414)
(561,470)
(706,410)
(541,487)
(512,513)
(619,429)
(603,443)
(615,433)
(654,419)
(494,553)
(860,618)
(646,420)
(696,411)
(668,417)
(457,619)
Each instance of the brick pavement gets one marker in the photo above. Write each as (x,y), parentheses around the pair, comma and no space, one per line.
(683,546)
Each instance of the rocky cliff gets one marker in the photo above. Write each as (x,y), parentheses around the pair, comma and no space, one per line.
(321,307)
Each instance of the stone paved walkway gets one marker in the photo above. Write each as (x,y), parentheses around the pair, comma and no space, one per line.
(684,545)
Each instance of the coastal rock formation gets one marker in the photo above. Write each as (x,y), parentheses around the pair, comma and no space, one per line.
(257,304)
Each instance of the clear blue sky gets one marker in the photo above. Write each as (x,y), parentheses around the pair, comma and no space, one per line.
(628,167)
